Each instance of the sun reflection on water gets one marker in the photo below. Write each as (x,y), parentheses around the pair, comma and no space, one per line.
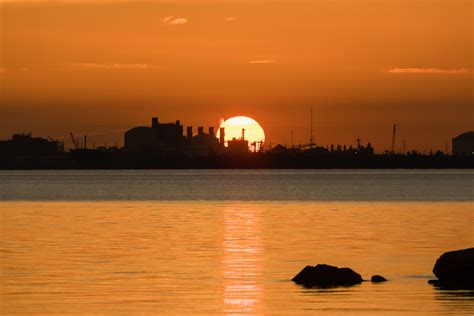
(243,261)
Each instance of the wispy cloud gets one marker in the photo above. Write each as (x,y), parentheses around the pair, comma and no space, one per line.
(440,71)
(231,18)
(265,61)
(110,66)
(167,19)
(171,20)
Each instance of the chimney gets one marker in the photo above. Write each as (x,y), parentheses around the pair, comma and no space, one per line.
(154,122)
(222,136)
(178,122)
(200,130)
(189,132)
(211,131)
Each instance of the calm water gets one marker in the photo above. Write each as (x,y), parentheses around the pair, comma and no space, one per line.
(228,242)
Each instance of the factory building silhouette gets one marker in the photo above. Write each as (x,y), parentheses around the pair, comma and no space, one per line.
(158,136)
(168,139)
(25,145)
(463,145)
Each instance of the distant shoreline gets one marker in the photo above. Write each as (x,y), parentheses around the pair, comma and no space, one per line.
(81,160)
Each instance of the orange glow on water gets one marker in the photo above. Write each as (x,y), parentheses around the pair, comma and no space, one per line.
(243,250)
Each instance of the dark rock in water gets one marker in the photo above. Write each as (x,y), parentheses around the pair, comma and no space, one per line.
(455,269)
(378,279)
(324,275)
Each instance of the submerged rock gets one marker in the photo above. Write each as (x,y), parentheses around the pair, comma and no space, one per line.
(324,275)
(455,269)
(378,278)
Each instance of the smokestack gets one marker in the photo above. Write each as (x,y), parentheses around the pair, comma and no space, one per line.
(178,122)
(189,132)
(200,130)
(154,122)
(222,136)
(211,131)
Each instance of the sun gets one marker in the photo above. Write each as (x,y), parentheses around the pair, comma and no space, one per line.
(253,132)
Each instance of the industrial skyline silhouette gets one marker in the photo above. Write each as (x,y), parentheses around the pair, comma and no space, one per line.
(164,145)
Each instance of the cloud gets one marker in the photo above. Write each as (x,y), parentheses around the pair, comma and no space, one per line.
(167,19)
(459,71)
(171,20)
(265,61)
(111,66)
(231,18)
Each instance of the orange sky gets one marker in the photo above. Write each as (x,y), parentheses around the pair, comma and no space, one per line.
(101,67)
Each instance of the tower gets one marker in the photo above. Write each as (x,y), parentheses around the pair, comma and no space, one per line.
(222,136)
(189,132)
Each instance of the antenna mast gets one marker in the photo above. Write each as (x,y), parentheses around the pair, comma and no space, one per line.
(393,137)
(292,146)
(311,137)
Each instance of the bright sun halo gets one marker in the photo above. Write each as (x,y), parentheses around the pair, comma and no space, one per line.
(233,129)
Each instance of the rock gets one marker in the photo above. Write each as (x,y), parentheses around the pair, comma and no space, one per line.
(455,269)
(324,276)
(434,282)
(378,278)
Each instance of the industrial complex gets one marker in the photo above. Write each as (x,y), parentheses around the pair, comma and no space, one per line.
(167,145)
(168,139)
